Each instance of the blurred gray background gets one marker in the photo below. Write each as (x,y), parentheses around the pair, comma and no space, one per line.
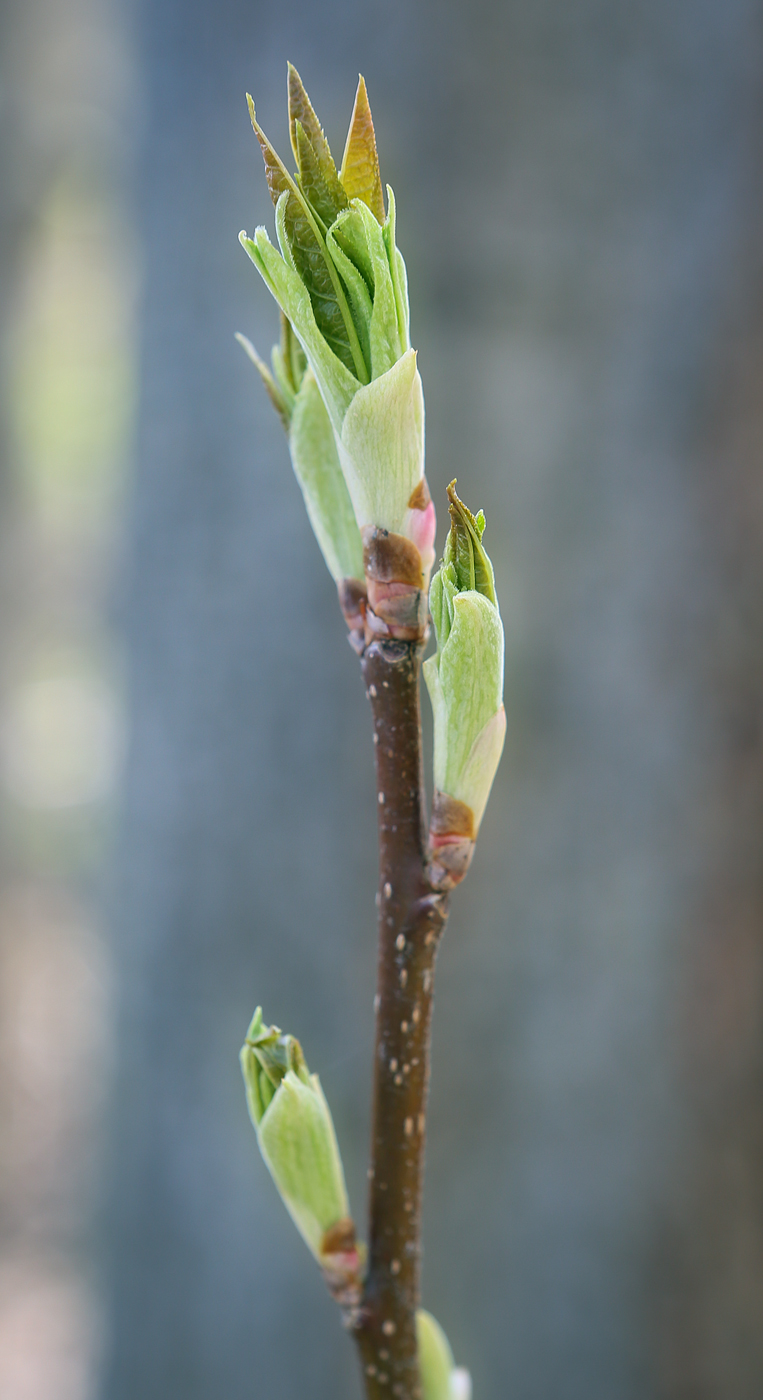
(579,206)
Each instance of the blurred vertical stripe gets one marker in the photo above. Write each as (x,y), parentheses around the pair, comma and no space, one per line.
(67,286)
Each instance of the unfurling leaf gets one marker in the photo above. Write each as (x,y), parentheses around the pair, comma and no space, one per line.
(464,549)
(301,110)
(360,163)
(276,174)
(325,197)
(288,358)
(308,255)
(317,272)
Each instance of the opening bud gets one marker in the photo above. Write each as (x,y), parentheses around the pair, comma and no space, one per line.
(465,683)
(440,1378)
(296,1137)
(340,281)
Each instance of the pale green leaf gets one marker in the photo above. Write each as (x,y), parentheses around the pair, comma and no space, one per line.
(316,465)
(399,274)
(337,384)
(298,1143)
(435,1357)
(381,445)
(358,294)
(386,343)
(465,682)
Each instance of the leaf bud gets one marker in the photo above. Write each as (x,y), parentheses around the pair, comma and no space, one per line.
(296,1137)
(340,281)
(441,1379)
(465,682)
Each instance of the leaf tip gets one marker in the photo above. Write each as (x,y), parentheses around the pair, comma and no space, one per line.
(274,393)
(360,164)
(301,109)
(247,346)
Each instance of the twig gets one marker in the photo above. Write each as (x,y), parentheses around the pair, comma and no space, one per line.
(412,915)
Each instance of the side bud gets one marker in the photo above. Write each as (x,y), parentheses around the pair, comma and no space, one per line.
(296,1137)
(465,683)
(440,1378)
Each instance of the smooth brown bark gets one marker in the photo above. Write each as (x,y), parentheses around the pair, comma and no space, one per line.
(411,918)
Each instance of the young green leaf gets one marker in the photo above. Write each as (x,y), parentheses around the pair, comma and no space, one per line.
(301,110)
(397,269)
(349,232)
(356,287)
(317,468)
(310,258)
(360,162)
(288,357)
(276,174)
(325,197)
(338,385)
(386,344)
(299,238)
(465,551)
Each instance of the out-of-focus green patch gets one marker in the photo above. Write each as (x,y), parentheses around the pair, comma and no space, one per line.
(71,387)
(69,406)
(61,753)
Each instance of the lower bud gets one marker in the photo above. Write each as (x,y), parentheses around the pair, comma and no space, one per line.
(296,1137)
(440,1378)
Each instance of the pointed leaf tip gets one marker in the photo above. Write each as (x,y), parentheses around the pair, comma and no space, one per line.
(276,174)
(301,110)
(255,1025)
(315,163)
(274,392)
(360,163)
(460,512)
(464,549)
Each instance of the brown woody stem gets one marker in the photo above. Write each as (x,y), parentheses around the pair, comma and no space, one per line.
(412,915)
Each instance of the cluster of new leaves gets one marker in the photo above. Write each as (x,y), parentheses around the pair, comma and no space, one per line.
(342,251)
(340,282)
